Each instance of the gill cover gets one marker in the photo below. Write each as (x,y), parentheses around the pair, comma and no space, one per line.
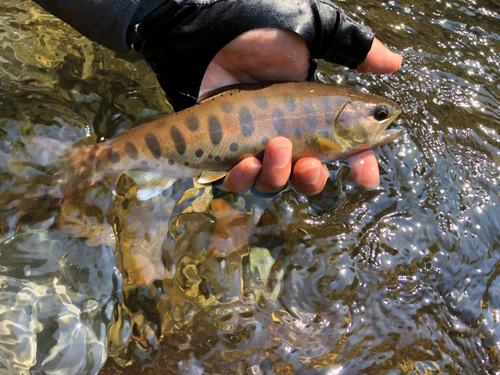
(363,121)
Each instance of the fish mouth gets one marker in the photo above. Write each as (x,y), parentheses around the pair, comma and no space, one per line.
(387,136)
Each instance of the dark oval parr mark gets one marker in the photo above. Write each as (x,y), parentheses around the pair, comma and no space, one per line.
(113,157)
(215,130)
(260,100)
(278,121)
(246,122)
(312,120)
(290,102)
(227,107)
(328,110)
(153,145)
(97,162)
(298,133)
(131,150)
(193,123)
(179,141)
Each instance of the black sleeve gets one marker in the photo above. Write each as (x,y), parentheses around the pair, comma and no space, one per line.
(103,21)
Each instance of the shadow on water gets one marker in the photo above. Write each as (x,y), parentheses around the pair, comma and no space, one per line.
(402,279)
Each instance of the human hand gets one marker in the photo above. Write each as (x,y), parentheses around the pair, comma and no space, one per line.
(273,55)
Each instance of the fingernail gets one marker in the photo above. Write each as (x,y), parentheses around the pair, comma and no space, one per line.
(280,157)
(310,174)
(251,172)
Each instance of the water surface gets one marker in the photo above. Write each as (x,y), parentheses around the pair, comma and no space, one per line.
(402,279)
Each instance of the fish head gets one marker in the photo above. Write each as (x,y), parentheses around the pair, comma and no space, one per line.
(363,121)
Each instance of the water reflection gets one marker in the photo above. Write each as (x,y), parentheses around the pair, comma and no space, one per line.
(400,279)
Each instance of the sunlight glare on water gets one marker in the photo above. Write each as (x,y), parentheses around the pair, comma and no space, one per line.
(402,279)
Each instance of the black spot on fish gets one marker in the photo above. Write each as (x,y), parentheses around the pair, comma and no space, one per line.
(265,141)
(210,156)
(131,150)
(312,120)
(290,102)
(215,130)
(247,125)
(298,133)
(217,158)
(186,164)
(144,162)
(260,100)
(328,110)
(325,134)
(153,145)
(199,153)
(227,107)
(193,123)
(233,147)
(179,141)
(278,121)
(113,157)
(171,162)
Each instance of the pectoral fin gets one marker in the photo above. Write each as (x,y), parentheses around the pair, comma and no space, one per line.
(328,145)
(150,184)
(208,177)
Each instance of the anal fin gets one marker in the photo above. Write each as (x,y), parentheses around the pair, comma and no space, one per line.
(150,184)
(208,177)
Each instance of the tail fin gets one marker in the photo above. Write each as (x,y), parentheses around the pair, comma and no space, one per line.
(73,168)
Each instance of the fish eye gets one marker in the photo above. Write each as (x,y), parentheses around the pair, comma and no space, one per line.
(381,112)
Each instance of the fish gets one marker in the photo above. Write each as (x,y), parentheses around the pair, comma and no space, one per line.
(228,125)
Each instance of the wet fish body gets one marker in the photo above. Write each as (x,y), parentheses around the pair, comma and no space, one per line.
(322,121)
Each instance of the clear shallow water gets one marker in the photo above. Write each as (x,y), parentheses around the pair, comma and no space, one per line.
(398,280)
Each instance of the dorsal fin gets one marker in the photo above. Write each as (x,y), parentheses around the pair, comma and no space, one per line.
(240,86)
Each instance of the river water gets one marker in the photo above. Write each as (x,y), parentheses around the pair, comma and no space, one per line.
(402,279)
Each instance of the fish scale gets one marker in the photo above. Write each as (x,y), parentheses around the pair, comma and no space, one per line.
(322,121)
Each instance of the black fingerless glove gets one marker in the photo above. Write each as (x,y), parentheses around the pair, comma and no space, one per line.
(181,37)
